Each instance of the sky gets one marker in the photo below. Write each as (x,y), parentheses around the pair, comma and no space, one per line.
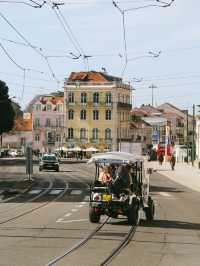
(97,29)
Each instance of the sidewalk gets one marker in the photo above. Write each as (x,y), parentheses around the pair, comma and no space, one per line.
(184,174)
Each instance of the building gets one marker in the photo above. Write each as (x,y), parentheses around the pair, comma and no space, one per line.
(97,110)
(48,122)
(21,134)
(181,123)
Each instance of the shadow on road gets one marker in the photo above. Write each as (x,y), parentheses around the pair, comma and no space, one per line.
(165,189)
(173,225)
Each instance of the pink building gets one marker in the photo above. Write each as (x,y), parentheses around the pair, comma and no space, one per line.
(48,123)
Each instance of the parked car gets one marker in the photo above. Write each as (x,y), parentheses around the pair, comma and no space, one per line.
(49,162)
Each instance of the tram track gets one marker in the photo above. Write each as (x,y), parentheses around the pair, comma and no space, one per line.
(123,243)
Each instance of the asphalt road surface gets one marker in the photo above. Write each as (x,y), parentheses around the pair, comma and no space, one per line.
(51,217)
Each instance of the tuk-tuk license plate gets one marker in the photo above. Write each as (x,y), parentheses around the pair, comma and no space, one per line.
(107,197)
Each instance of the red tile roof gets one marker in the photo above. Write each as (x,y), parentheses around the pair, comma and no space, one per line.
(23,124)
(92,76)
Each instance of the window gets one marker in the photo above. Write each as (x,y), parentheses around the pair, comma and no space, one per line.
(83,115)
(70,133)
(95,132)
(37,122)
(96,97)
(50,138)
(48,122)
(82,133)
(37,138)
(48,107)
(107,133)
(71,97)
(38,107)
(58,138)
(95,115)
(58,122)
(108,97)
(83,97)
(59,107)
(71,114)
(108,115)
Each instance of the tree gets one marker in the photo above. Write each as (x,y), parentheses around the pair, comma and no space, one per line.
(7,113)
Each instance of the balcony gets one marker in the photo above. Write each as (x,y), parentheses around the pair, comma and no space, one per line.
(124,105)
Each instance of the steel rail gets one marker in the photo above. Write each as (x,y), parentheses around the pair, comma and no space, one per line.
(118,249)
(79,244)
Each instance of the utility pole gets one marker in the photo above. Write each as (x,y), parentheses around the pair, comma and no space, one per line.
(187,137)
(152,87)
(193,135)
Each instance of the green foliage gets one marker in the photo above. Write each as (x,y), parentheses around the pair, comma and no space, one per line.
(7,114)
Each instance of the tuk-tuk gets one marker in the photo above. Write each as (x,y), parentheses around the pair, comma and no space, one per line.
(113,198)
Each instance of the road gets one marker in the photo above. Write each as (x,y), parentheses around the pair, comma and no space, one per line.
(52,217)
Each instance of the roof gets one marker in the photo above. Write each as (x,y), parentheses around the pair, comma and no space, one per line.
(51,98)
(92,76)
(139,123)
(115,157)
(22,124)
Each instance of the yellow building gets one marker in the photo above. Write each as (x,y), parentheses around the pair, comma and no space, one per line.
(97,110)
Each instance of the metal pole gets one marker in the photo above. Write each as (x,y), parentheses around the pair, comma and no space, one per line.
(193,135)
(187,138)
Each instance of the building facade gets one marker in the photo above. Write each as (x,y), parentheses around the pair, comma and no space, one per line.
(21,134)
(48,123)
(97,110)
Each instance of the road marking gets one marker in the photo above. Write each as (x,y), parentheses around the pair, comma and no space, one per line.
(1,191)
(34,191)
(68,214)
(87,198)
(55,191)
(74,210)
(76,192)
(79,206)
(165,194)
(71,221)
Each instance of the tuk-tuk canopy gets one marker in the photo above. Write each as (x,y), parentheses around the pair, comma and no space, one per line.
(115,158)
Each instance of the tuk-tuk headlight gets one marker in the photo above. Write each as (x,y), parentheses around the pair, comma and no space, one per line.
(96,197)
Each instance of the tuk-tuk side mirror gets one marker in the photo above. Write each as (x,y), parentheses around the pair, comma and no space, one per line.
(149,171)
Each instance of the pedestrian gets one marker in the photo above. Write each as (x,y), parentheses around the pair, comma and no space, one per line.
(172,161)
(161,158)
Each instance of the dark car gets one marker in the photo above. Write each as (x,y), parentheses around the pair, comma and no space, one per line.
(49,162)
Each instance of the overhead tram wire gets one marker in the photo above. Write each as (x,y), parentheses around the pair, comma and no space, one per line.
(123,11)
(71,36)
(31,46)
(31,3)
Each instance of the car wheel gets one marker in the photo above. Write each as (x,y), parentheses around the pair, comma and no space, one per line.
(93,216)
(133,214)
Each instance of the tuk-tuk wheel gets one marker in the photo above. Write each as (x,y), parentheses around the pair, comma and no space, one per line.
(133,214)
(149,211)
(93,216)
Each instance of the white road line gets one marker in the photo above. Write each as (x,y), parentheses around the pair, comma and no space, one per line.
(68,214)
(74,210)
(34,191)
(87,198)
(165,194)
(71,221)
(55,192)
(79,206)
(76,192)
(1,191)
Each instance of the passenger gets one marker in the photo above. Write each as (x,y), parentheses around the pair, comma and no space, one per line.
(113,171)
(105,176)
(122,181)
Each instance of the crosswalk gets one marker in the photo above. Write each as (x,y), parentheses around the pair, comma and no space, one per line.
(57,191)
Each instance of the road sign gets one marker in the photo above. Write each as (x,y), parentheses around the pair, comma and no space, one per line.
(155,137)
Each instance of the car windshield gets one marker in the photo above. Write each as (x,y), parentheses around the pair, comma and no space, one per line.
(49,158)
